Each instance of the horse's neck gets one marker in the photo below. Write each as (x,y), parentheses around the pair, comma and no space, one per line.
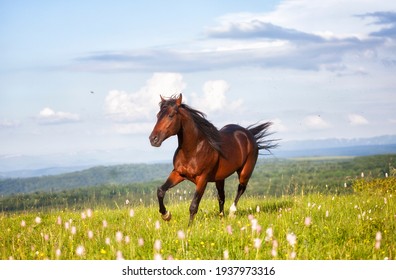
(189,136)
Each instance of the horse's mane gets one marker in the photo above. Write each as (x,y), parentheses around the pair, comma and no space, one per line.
(204,126)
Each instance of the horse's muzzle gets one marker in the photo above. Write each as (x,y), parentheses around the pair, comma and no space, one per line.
(155,140)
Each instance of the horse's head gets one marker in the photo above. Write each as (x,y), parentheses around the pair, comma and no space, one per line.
(168,121)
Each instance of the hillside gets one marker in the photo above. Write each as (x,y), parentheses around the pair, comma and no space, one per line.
(101,175)
(271,176)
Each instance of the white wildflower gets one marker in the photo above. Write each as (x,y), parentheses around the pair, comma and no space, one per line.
(226,255)
(89,213)
(181,235)
(257,243)
(229,229)
(80,250)
(119,255)
(58,253)
(269,234)
(293,255)
(307,221)
(291,238)
(119,236)
(378,236)
(157,245)
(254,223)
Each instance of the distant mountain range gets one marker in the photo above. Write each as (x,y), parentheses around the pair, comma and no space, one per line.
(338,147)
(338,143)
(20,166)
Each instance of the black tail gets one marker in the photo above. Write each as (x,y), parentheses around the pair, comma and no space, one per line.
(260,132)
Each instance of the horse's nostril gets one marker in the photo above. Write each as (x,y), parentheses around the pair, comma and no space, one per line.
(154,139)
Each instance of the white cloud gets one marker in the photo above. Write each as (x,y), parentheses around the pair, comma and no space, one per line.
(141,105)
(332,19)
(256,28)
(314,34)
(298,34)
(49,116)
(214,94)
(315,122)
(214,97)
(278,126)
(9,123)
(134,112)
(355,119)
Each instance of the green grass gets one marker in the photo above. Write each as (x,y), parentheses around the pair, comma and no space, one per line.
(340,227)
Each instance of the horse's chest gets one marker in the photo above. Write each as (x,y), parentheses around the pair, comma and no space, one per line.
(188,170)
(195,164)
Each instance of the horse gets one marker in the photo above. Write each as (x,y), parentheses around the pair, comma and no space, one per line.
(206,154)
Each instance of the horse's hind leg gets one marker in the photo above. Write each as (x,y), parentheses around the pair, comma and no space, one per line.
(220,195)
(244,175)
(241,190)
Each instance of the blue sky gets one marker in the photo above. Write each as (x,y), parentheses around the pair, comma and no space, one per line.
(317,69)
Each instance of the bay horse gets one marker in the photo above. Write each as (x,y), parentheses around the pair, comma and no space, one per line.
(206,154)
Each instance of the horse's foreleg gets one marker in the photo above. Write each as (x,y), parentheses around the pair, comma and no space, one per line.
(173,179)
(220,195)
(199,191)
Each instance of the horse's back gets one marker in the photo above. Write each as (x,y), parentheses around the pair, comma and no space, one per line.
(239,134)
(238,146)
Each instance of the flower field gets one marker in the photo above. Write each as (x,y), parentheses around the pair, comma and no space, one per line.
(312,226)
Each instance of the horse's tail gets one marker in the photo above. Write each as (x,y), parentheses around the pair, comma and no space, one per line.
(260,133)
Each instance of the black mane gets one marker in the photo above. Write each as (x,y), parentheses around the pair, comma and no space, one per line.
(206,127)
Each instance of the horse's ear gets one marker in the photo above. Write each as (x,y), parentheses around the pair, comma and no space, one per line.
(162,99)
(179,100)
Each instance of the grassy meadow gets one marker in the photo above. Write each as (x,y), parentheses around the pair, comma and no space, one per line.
(357,221)
(314,226)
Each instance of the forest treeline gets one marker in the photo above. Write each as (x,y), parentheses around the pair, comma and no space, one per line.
(96,176)
(114,186)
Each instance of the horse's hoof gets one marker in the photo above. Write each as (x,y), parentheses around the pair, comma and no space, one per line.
(233,208)
(167,216)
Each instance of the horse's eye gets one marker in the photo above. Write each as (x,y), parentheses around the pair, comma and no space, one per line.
(171,115)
